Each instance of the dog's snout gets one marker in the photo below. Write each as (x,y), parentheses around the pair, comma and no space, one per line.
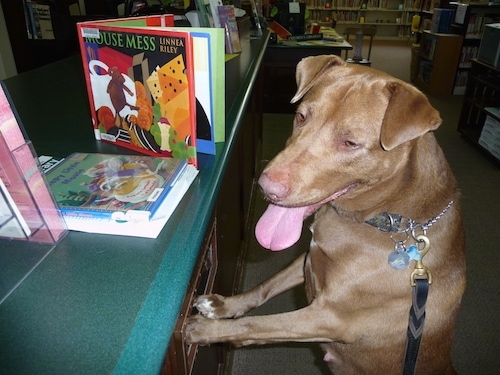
(274,190)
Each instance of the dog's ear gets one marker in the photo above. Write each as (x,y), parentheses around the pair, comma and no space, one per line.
(408,116)
(310,69)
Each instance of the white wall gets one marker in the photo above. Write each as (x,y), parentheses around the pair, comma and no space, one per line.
(7,63)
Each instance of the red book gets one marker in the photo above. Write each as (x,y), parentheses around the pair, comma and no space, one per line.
(140,82)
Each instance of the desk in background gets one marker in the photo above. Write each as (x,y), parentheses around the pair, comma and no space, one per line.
(101,304)
(279,72)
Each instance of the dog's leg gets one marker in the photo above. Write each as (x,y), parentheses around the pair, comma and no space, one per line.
(317,324)
(214,306)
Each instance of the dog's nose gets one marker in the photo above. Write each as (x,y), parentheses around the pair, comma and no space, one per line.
(275,191)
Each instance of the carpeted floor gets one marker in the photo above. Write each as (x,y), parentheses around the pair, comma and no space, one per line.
(477,337)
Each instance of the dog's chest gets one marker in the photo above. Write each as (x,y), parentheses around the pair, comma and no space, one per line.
(348,258)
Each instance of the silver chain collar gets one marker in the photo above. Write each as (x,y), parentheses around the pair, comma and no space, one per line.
(404,252)
(388,222)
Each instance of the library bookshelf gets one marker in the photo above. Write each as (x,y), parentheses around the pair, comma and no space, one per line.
(391,18)
(437,62)
(469,21)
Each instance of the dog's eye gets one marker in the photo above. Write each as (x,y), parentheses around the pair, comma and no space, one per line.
(349,144)
(300,118)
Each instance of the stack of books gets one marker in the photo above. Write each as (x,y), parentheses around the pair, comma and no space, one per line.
(441,20)
(490,134)
(132,195)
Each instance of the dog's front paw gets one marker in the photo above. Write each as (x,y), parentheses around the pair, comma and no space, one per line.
(197,330)
(212,306)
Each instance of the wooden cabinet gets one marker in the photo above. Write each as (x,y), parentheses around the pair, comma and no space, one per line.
(182,357)
(437,62)
(481,105)
(219,266)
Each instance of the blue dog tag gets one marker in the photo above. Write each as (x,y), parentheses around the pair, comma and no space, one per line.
(413,253)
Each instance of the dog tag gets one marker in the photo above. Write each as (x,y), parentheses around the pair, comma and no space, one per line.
(398,259)
(413,253)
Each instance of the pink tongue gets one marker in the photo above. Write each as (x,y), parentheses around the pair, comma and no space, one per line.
(280,227)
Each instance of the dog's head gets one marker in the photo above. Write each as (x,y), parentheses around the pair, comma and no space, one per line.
(354,130)
(407,114)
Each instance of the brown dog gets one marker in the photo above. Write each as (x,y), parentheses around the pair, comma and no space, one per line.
(362,145)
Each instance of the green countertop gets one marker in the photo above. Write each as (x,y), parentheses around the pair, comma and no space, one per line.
(98,304)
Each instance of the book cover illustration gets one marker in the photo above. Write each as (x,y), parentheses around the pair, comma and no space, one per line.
(146,229)
(141,87)
(117,187)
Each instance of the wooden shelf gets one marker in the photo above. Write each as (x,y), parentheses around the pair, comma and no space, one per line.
(471,28)
(397,27)
(437,62)
(483,91)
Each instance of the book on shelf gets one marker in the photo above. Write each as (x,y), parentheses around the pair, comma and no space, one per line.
(425,71)
(468,54)
(429,46)
(28,210)
(460,13)
(214,13)
(461,82)
(205,18)
(490,133)
(441,20)
(227,19)
(38,20)
(130,195)
(140,82)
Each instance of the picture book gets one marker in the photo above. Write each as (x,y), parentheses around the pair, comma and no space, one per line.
(28,207)
(209,73)
(140,81)
(227,19)
(113,187)
(146,229)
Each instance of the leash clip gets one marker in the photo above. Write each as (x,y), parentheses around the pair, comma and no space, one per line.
(421,271)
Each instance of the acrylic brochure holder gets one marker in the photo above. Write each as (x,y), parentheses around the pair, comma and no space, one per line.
(30,222)
(28,210)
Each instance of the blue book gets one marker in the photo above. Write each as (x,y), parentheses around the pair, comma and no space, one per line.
(120,188)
